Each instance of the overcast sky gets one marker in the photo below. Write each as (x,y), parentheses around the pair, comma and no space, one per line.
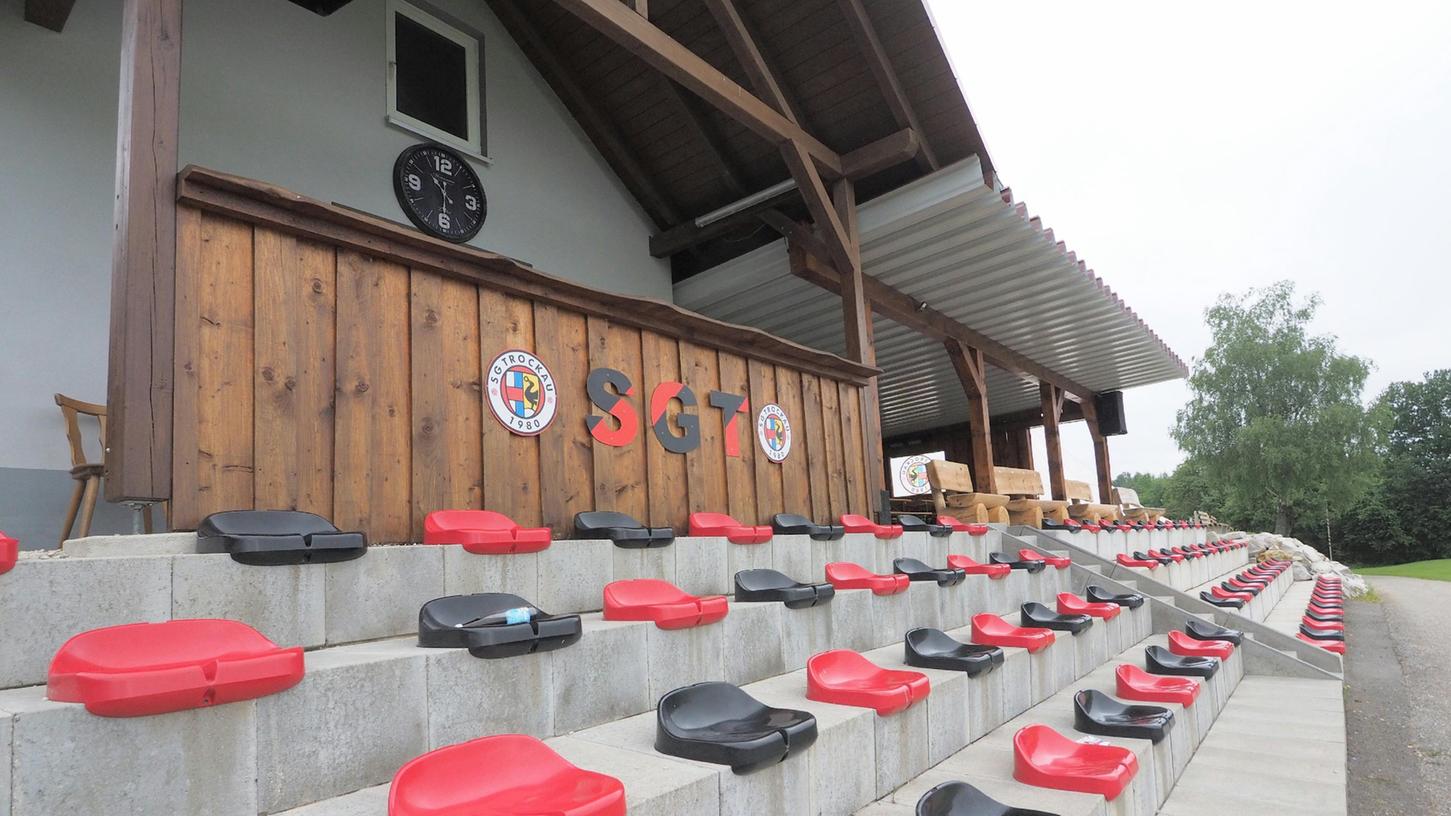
(1184,150)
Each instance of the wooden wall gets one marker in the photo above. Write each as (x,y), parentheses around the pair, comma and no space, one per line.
(315,376)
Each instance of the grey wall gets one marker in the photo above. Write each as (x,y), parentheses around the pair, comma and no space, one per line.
(272,92)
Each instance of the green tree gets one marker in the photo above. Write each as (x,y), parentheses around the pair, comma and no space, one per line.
(1417,474)
(1151,487)
(1276,419)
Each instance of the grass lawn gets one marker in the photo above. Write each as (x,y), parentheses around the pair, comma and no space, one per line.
(1438,570)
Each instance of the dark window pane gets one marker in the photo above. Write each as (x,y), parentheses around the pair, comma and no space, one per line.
(432,79)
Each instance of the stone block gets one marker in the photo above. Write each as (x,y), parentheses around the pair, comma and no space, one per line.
(604,676)
(902,751)
(924,600)
(985,704)
(470,697)
(6,733)
(891,616)
(573,574)
(1090,648)
(379,595)
(701,566)
(366,802)
(842,762)
(804,632)
(466,573)
(792,555)
(46,601)
(285,603)
(116,546)
(679,657)
(956,604)
(1053,668)
(655,785)
(752,647)
(852,621)
(650,562)
(748,556)
(1017,674)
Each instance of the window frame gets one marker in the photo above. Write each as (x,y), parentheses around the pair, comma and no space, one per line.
(473,45)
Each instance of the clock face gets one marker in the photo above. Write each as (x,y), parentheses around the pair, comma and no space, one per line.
(439,192)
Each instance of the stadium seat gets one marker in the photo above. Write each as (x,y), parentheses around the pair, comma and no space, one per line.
(1336,646)
(722,525)
(846,575)
(138,669)
(622,529)
(1101,715)
(1133,683)
(506,774)
(1203,630)
(650,599)
(934,649)
(854,523)
(1047,759)
(493,625)
(483,532)
(768,585)
(1017,563)
(792,524)
(273,537)
(1227,603)
(1126,560)
(918,571)
(992,630)
(962,799)
(1185,646)
(9,552)
(1098,594)
(1158,660)
(968,565)
(845,677)
(917,524)
(1058,561)
(723,725)
(1033,614)
(963,527)
(1070,604)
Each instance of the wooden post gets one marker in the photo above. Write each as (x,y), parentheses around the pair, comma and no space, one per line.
(969,364)
(143,256)
(1052,399)
(1100,452)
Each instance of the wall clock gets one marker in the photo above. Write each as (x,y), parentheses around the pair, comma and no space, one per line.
(439,192)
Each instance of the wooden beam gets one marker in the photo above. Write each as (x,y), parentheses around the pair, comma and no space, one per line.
(970,365)
(642,7)
(1051,397)
(853,295)
(599,128)
(51,14)
(888,151)
(658,49)
(762,74)
(1101,465)
(689,106)
(886,76)
(143,254)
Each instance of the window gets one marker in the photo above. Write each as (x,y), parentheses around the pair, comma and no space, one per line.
(434,86)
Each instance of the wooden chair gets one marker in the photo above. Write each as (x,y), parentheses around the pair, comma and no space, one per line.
(86,473)
(1128,501)
(1025,489)
(1081,506)
(952,494)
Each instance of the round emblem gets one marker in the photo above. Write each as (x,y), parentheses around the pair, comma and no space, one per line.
(521,392)
(913,474)
(773,431)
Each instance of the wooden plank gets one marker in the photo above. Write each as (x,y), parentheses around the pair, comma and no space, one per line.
(448,394)
(51,14)
(1102,467)
(510,462)
(881,66)
(296,319)
(740,470)
(372,483)
(620,481)
(854,460)
(835,448)
(185,487)
(1051,398)
(795,472)
(705,467)
(224,368)
(1018,481)
(669,500)
(768,473)
(143,254)
(968,363)
(566,450)
(814,428)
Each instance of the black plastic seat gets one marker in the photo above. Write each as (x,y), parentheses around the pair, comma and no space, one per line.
(1228,587)
(1324,618)
(1227,603)
(792,524)
(767,585)
(1054,524)
(928,648)
(1319,635)
(622,529)
(1033,614)
(917,524)
(1158,660)
(1162,559)
(265,538)
(1097,594)
(918,571)
(1204,630)
(493,625)
(1004,558)
(723,725)
(962,799)
(1097,713)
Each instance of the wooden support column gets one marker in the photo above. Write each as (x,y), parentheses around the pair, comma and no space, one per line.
(1101,462)
(1052,398)
(143,256)
(971,370)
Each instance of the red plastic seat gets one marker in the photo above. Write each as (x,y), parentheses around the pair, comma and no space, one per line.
(972,567)
(963,527)
(1070,604)
(151,668)
(1219,592)
(1126,560)
(9,552)
(854,523)
(1323,626)
(720,524)
(845,677)
(1059,561)
(1162,553)
(1326,611)
(1136,684)
(1046,758)
(1184,646)
(1336,646)
(506,775)
(846,575)
(484,532)
(669,606)
(992,630)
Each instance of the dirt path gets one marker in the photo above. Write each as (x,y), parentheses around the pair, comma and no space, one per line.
(1398,699)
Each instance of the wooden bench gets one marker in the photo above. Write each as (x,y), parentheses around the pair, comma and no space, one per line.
(1081,506)
(952,495)
(1128,502)
(1025,488)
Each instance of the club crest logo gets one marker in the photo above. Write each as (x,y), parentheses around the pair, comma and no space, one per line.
(521,392)
(773,431)
(913,474)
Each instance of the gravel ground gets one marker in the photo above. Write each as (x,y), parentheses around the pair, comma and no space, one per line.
(1398,699)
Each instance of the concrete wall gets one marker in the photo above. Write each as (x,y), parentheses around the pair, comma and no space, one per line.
(273,92)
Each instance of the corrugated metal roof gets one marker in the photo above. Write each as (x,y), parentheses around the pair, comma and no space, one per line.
(974,254)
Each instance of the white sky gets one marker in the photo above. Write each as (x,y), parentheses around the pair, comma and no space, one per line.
(1185,150)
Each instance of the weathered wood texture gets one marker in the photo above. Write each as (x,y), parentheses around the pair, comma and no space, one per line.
(312,374)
